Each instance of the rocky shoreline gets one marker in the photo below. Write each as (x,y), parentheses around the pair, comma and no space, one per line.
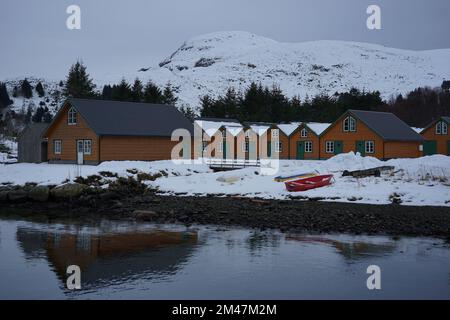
(129,199)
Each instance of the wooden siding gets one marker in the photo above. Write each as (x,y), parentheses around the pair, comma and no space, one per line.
(402,149)
(241,139)
(336,133)
(310,136)
(69,134)
(441,139)
(136,148)
(283,138)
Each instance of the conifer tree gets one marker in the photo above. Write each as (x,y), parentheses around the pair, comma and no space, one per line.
(78,83)
(137,90)
(152,94)
(122,91)
(26,89)
(188,112)
(169,96)
(4,96)
(107,92)
(40,89)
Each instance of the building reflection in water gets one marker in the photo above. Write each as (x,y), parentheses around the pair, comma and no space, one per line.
(349,250)
(110,258)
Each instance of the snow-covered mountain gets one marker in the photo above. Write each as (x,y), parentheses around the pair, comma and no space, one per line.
(211,63)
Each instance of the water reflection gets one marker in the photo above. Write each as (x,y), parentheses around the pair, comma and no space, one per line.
(146,261)
(349,250)
(109,258)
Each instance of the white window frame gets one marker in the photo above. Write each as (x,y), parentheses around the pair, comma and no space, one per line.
(308,147)
(57,150)
(349,124)
(329,147)
(441,128)
(220,148)
(248,134)
(72,117)
(275,133)
(87,147)
(278,147)
(369,147)
(303,133)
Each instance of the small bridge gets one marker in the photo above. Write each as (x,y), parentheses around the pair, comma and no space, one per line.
(231,164)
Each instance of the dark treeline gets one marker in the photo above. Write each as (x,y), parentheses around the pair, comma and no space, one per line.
(263,104)
(138,92)
(79,85)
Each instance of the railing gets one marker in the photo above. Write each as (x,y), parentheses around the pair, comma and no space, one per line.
(232,163)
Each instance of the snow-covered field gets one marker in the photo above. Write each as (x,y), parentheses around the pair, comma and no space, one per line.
(423,181)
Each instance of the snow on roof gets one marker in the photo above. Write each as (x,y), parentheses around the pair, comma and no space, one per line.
(418,130)
(288,128)
(211,127)
(233,129)
(259,129)
(317,127)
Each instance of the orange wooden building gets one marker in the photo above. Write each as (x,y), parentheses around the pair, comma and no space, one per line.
(378,134)
(217,137)
(277,145)
(304,142)
(91,131)
(437,138)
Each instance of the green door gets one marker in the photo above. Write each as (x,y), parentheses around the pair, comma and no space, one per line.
(224,150)
(361,147)
(269,149)
(300,150)
(429,148)
(448,147)
(338,147)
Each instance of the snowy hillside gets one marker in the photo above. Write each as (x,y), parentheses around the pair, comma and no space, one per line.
(211,63)
(51,99)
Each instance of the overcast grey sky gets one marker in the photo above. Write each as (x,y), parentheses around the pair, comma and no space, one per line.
(122,36)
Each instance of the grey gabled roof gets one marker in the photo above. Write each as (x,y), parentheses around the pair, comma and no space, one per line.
(34,129)
(116,118)
(446,119)
(387,125)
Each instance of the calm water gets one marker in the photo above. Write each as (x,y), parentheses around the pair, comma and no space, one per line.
(143,261)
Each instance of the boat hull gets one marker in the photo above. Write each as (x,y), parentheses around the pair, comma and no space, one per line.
(308,183)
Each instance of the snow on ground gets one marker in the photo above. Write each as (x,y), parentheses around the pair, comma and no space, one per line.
(422,181)
(47,174)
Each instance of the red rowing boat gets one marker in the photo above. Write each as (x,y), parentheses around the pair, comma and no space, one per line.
(308,183)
